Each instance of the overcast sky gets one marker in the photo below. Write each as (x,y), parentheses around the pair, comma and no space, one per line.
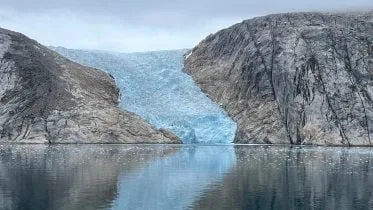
(143,25)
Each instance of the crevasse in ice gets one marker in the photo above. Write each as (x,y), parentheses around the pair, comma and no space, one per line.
(153,86)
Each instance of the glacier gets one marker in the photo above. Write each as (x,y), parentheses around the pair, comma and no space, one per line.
(154,86)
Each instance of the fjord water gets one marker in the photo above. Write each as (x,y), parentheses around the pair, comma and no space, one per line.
(154,86)
(184,177)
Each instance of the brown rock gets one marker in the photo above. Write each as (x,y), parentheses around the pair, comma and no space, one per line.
(46,98)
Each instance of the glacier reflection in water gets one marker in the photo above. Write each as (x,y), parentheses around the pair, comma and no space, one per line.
(154,87)
(175,182)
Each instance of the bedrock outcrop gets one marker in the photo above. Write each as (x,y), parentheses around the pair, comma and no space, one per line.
(298,78)
(46,98)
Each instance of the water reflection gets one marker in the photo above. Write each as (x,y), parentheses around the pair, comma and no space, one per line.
(184,177)
(68,177)
(176,181)
(295,178)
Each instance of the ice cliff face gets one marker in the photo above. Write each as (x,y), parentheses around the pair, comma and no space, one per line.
(155,88)
(301,78)
(46,98)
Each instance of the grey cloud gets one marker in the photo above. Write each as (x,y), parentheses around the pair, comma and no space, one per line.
(173,13)
(134,25)
(138,9)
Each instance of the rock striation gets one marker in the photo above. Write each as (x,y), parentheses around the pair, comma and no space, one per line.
(46,98)
(299,78)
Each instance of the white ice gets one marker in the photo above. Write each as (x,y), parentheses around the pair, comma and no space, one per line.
(154,87)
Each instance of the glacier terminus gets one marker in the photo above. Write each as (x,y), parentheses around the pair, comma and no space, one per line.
(154,86)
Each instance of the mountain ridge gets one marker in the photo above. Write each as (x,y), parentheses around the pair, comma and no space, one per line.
(292,78)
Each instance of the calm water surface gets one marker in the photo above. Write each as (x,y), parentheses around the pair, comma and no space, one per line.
(184,177)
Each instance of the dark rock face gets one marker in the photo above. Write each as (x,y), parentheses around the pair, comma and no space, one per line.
(301,78)
(45,98)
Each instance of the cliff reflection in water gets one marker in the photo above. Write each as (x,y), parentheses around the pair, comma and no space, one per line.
(295,178)
(66,176)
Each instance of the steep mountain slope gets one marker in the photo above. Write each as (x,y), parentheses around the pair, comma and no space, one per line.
(45,98)
(300,78)
(155,88)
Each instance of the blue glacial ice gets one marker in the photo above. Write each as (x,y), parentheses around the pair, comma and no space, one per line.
(153,86)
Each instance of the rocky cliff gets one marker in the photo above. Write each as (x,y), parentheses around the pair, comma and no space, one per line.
(300,78)
(45,98)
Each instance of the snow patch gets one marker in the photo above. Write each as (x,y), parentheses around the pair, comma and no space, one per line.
(188,54)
